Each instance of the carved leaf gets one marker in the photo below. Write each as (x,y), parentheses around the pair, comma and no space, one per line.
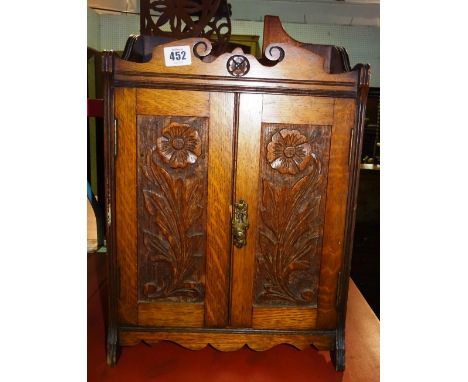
(150,202)
(157,245)
(281,234)
(269,212)
(174,209)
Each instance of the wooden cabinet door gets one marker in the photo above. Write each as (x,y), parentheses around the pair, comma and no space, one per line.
(292,171)
(173,196)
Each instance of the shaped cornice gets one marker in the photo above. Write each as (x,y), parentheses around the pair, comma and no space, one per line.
(285,69)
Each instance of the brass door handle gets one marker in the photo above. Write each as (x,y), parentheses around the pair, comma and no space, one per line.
(240,224)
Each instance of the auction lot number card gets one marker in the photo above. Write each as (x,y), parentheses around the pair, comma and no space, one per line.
(177,55)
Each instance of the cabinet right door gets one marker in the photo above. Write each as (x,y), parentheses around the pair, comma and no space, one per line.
(292,170)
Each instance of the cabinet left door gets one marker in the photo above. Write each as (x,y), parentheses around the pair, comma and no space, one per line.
(173,187)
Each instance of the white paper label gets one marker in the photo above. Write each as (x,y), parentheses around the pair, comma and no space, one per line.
(177,55)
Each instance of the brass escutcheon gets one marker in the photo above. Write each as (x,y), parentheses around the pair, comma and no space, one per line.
(240,224)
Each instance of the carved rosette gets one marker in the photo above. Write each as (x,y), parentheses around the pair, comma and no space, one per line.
(238,65)
(289,152)
(179,145)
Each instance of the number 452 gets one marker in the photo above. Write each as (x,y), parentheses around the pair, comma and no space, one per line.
(177,56)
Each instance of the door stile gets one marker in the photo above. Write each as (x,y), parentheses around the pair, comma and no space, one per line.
(335,212)
(246,188)
(220,169)
(125,200)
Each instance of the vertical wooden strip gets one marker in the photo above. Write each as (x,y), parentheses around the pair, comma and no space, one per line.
(247,175)
(109,171)
(219,201)
(335,212)
(126,214)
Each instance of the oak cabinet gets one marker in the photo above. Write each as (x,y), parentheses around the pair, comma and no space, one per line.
(231,187)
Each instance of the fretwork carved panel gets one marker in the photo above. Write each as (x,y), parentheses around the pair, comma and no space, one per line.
(294,168)
(172,189)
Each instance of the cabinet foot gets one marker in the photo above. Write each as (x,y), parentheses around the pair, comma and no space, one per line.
(112,350)
(337,355)
(338,359)
(112,347)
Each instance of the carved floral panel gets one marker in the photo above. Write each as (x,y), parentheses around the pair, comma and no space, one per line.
(172,187)
(294,167)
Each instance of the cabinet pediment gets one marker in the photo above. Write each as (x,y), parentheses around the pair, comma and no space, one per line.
(278,73)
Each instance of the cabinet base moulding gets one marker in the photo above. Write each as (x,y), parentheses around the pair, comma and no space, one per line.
(226,341)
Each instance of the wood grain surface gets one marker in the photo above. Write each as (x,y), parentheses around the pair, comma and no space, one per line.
(335,212)
(297,109)
(282,77)
(171,315)
(228,341)
(126,209)
(247,172)
(284,318)
(294,58)
(220,169)
(172,102)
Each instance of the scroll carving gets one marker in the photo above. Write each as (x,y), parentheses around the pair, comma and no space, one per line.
(172,210)
(291,214)
(274,53)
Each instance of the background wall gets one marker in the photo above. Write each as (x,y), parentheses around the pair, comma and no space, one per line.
(361,42)
(94,31)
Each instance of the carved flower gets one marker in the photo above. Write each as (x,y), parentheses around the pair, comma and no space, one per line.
(288,152)
(179,145)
